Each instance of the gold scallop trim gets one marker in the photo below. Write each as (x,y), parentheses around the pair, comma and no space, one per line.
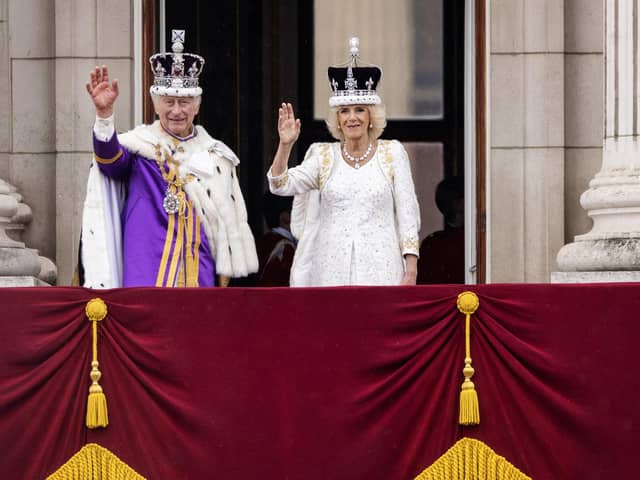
(93,462)
(471,459)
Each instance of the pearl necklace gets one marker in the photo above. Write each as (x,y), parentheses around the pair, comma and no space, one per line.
(356,160)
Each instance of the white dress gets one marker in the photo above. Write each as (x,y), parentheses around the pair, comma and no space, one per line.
(366,219)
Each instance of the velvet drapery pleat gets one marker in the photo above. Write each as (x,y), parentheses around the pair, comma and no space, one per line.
(322,383)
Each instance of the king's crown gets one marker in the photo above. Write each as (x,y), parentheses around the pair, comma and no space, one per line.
(176,73)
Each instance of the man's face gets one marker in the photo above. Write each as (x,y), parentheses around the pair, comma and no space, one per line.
(177,113)
(285,219)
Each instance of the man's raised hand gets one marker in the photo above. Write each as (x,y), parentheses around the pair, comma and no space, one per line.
(103,94)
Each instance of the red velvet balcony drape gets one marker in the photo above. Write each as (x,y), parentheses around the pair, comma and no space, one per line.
(333,383)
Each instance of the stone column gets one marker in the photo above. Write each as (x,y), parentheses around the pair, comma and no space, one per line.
(611,250)
(26,142)
(86,34)
(19,266)
(526,164)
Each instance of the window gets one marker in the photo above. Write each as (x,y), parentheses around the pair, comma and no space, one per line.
(418,44)
(403,37)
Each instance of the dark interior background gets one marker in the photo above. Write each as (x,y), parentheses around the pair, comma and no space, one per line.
(259,53)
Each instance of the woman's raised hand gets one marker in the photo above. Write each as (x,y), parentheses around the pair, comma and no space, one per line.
(288,124)
(103,94)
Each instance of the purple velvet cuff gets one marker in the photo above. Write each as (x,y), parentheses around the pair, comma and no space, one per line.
(107,152)
(114,160)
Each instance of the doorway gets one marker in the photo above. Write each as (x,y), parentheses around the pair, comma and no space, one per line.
(260,53)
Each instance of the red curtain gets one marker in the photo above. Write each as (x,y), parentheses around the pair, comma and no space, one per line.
(339,383)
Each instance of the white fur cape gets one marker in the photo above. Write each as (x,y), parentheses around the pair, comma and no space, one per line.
(216,197)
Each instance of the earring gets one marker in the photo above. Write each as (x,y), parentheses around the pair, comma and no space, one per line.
(370,125)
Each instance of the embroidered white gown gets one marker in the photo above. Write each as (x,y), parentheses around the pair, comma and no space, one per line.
(360,237)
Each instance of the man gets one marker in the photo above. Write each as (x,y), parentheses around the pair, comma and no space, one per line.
(442,253)
(164,206)
(276,247)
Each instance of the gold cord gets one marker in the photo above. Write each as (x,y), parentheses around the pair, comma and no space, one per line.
(97,415)
(183,270)
(469,406)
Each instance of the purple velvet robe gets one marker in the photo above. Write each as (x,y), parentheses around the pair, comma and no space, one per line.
(144,220)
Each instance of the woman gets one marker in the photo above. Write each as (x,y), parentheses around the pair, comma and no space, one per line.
(355,212)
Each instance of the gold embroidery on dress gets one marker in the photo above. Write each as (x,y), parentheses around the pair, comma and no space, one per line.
(387,160)
(325,165)
(280,181)
(410,244)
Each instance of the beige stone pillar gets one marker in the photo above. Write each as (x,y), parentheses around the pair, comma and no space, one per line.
(86,34)
(26,140)
(611,250)
(525,215)
(47,48)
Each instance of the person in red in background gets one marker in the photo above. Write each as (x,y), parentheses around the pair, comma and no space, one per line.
(442,253)
(276,247)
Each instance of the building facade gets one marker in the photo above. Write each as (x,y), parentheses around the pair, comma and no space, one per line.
(530,135)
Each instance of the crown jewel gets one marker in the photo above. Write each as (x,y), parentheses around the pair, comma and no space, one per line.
(345,79)
(176,73)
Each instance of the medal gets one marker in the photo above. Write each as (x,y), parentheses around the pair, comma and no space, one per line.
(171,202)
(174,195)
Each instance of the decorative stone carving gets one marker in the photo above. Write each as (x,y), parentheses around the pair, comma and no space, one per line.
(18,264)
(8,208)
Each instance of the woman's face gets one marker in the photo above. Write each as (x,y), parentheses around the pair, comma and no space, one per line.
(354,121)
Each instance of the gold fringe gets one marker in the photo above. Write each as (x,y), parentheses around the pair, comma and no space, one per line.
(471,459)
(94,462)
(97,415)
(469,406)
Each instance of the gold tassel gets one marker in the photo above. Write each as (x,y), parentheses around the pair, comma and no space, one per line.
(469,406)
(97,415)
